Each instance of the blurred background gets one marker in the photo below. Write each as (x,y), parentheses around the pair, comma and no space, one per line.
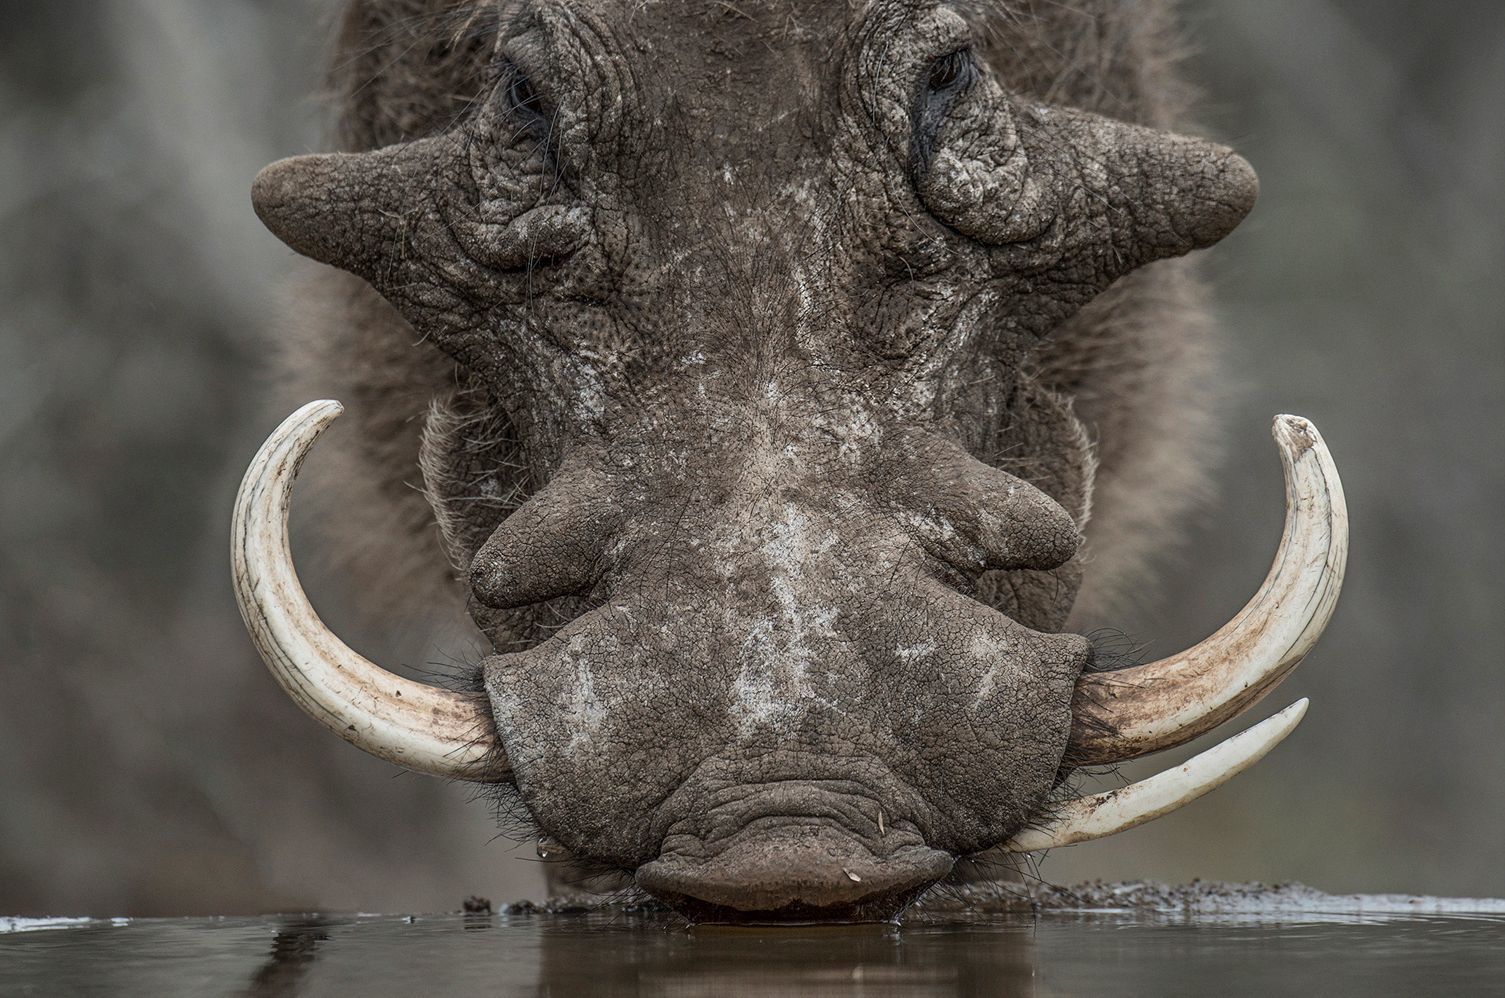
(148,764)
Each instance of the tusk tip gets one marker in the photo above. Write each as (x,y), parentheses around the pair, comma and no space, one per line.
(323,410)
(1283,722)
(1295,434)
(310,420)
(1292,715)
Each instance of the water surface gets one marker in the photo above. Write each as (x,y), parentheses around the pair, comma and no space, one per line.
(1357,948)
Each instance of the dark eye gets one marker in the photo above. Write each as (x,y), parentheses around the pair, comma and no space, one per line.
(523,98)
(944,82)
(949,70)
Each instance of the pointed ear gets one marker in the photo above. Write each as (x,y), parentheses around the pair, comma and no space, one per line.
(354,211)
(1100,196)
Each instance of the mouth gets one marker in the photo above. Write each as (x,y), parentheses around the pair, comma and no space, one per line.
(795,870)
(795,849)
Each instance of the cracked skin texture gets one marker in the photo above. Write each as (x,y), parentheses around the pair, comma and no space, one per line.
(750,305)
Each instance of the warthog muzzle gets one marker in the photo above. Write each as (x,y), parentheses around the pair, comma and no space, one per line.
(747,843)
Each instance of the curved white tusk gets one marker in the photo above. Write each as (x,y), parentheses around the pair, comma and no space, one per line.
(1101,815)
(418,727)
(1127,713)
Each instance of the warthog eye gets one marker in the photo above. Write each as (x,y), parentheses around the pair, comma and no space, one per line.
(945,80)
(524,100)
(949,70)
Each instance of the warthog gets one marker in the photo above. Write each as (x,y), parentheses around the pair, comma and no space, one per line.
(775,354)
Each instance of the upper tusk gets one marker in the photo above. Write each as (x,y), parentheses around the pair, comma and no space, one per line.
(1131,712)
(416,726)
(1100,815)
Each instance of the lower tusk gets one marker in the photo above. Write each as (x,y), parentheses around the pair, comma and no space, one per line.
(416,726)
(1101,815)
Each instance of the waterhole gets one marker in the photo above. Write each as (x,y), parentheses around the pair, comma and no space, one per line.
(1129,940)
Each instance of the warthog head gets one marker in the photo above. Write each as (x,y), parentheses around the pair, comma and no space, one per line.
(754,291)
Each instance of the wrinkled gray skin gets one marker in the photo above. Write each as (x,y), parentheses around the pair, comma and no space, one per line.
(753,304)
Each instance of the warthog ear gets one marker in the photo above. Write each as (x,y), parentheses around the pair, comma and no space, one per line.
(355,211)
(1087,197)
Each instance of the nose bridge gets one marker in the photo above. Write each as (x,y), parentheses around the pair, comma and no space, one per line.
(780,564)
(804,471)
(754,443)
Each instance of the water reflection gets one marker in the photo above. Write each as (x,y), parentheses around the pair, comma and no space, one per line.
(788,961)
(656,955)
(1059,953)
(294,948)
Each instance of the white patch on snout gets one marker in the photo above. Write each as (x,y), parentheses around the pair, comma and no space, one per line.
(583,710)
(917,652)
(930,524)
(757,695)
(590,402)
(938,529)
(994,654)
(775,657)
(855,431)
(807,324)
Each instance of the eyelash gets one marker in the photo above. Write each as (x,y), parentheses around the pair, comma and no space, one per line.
(523,100)
(947,79)
(946,71)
